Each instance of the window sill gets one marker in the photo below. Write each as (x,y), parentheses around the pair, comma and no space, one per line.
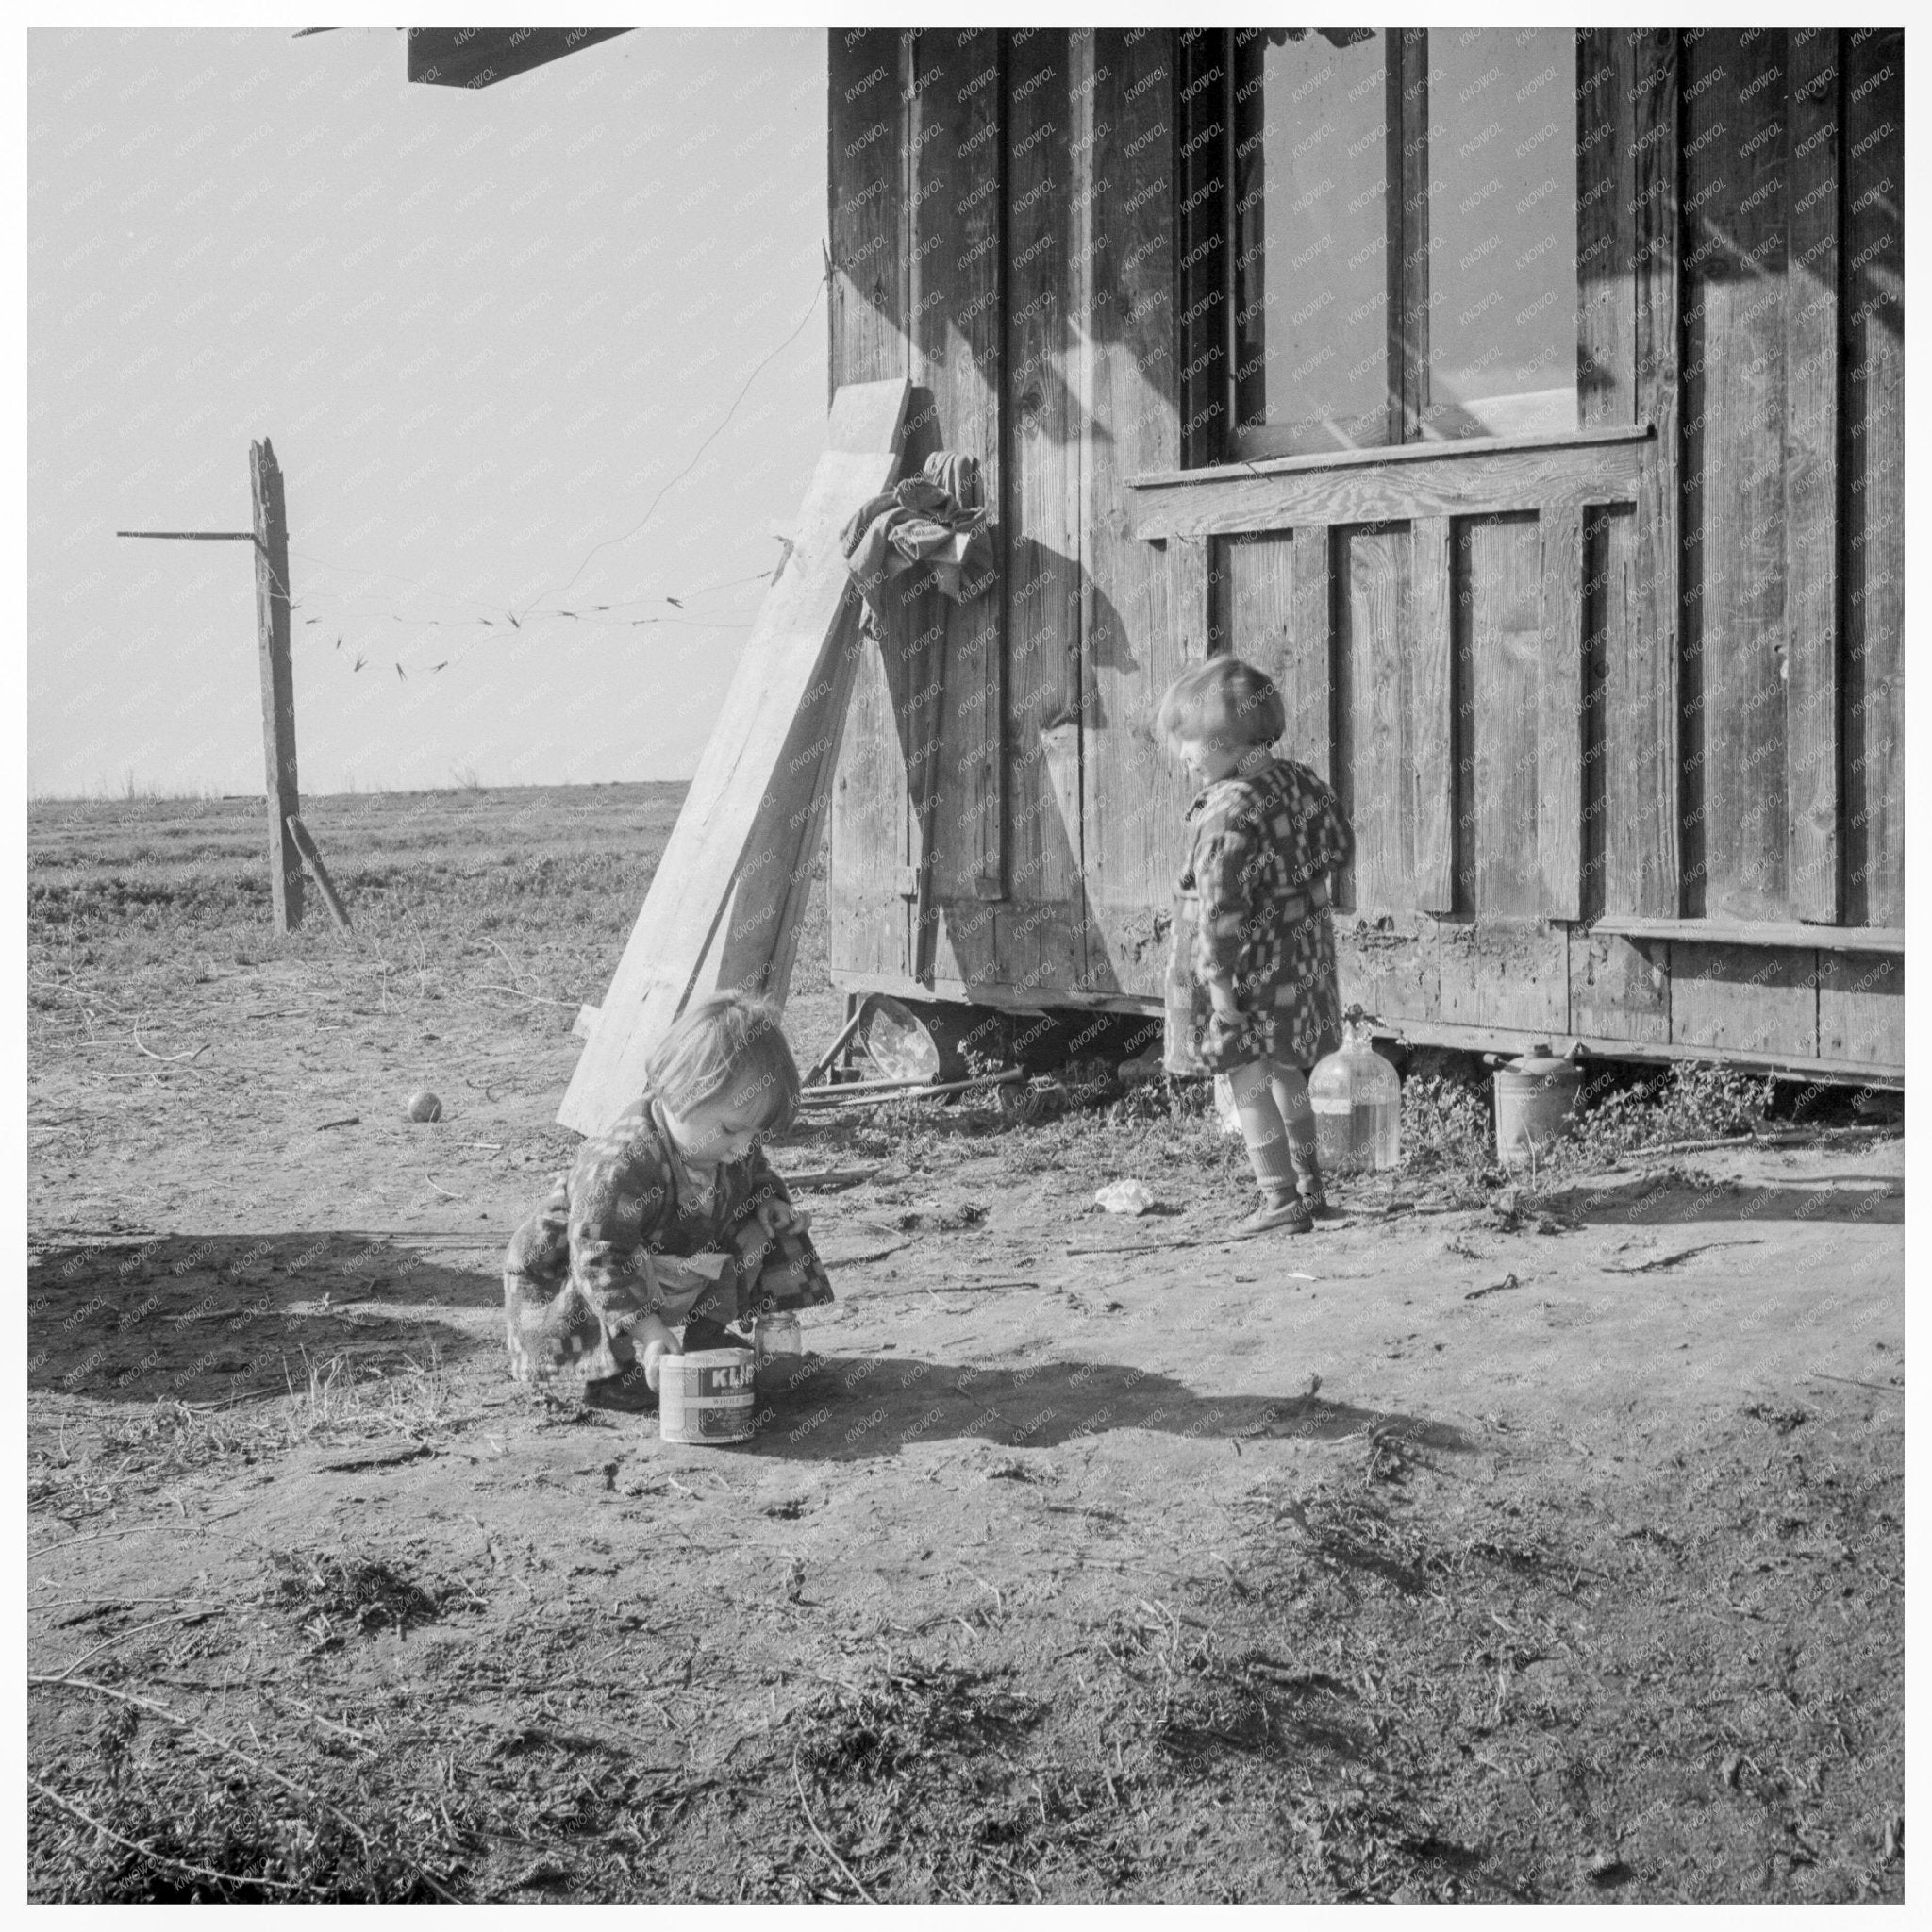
(1477,476)
(1389,455)
(1757,932)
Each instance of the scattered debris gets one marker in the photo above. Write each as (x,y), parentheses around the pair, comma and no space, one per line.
(386,1459)
(1671,1259)
(1783,1420)
(1124,1197)
(829,1179)
(1508,1282)
(1011,1469)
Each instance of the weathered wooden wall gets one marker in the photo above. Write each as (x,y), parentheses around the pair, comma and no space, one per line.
(1618,717)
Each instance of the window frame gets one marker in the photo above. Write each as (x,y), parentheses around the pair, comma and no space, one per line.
(1208,130)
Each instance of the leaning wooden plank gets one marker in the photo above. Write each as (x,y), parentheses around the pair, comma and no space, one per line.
(742,785)
(753,944)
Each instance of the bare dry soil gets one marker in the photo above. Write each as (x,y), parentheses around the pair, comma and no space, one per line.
(1443,1553)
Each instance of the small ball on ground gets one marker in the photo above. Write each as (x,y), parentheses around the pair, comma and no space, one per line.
(424,1107)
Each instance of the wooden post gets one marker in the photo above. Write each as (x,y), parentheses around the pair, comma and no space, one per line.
(277,681)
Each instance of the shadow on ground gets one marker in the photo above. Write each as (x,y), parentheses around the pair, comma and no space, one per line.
(203,1317)
(833,1408)
(1657,1200)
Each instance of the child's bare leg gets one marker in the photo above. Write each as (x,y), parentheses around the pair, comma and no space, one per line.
(1291,1091)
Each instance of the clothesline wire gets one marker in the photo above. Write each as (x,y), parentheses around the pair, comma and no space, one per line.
(322,593)
(652,506)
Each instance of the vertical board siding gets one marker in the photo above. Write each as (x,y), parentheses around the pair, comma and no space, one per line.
(866,138)
(1134,796)
(1740,999)
(1643,661)
(1691,706)
(1606,213)
(1405,133)
(1204,282)
(1560,720)
(1191,595)
(1257,594)
(1371,560)
(1861,1008)
(1871,489)
(956,338)
(1310,694)
(1811,507)
(1618,989)
(1432,714)
(1733,573)
(1500,604)
(1040,486)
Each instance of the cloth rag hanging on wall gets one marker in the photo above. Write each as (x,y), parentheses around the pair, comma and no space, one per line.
(934,520)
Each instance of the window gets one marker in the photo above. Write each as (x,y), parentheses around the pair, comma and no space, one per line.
(1379,236)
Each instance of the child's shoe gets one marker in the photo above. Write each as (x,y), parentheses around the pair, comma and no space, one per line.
(1314,1194)
(1288,1213)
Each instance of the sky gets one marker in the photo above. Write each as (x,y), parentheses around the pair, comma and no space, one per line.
(485,331)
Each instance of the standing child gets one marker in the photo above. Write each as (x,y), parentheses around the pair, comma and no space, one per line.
(586,1281)
(1251,988)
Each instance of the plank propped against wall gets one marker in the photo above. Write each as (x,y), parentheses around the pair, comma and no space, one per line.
(722,904)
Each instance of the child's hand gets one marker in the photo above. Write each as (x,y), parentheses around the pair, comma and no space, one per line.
(654,1342)
(775,1216)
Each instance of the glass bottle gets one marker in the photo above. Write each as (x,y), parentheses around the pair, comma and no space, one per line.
(1358,1102)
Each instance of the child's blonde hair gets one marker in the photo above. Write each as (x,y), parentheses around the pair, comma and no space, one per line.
(729,1041)
(1225,701)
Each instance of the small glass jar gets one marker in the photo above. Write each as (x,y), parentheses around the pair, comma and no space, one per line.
(776,1333)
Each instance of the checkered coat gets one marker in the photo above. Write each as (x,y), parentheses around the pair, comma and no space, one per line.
(1250,905)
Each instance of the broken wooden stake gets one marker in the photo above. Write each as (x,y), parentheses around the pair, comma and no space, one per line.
(324,884)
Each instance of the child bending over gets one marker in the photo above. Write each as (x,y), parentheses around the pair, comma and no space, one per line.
(1251,988)
(588,1282)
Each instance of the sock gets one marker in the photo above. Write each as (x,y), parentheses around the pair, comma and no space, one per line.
(1267,1147)
(1291,1091)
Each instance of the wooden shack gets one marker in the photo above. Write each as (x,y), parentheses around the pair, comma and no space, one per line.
(1528,403)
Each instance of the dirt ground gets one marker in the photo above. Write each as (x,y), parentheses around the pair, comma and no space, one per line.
(1442,1554)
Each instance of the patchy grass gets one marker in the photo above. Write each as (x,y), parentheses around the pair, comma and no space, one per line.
(391,1631)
